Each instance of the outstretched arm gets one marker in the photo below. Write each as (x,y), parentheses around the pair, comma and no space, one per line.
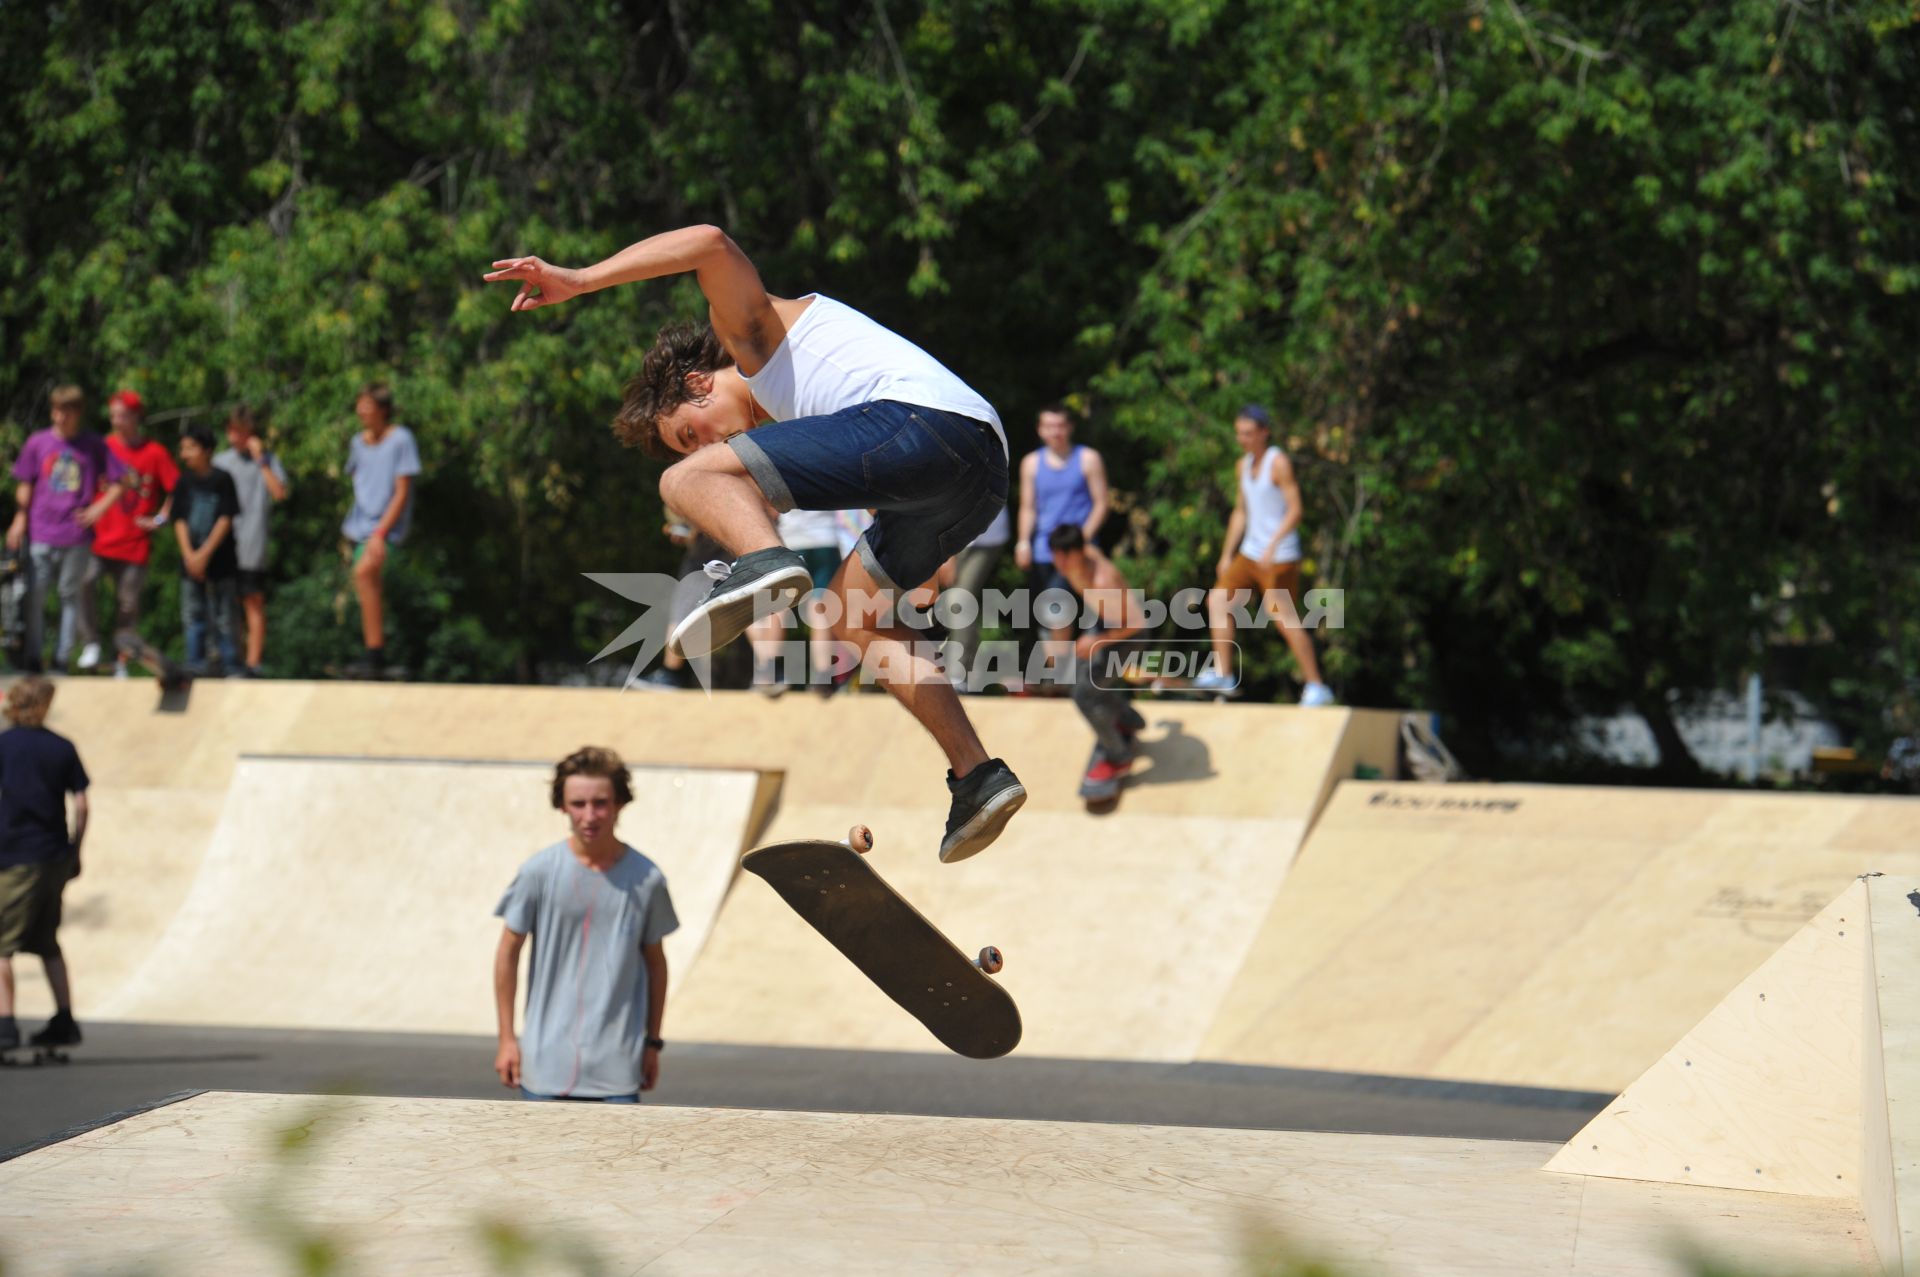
(740,310)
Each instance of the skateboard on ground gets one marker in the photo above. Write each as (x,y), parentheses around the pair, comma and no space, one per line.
(13,606)
(1160,685)
(173,678)
(28,1056)
(833,887)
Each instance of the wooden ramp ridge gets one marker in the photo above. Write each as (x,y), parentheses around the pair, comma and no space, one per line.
(1804,1080)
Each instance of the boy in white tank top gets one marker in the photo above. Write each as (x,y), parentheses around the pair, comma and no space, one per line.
(1261,557)
(844,414)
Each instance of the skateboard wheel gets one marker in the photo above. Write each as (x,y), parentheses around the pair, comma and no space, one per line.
(860,838)
(990,960)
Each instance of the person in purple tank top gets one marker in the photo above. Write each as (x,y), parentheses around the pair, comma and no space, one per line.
(1061,483)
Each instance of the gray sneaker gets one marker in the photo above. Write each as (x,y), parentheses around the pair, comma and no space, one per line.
(983,803)
(764,583)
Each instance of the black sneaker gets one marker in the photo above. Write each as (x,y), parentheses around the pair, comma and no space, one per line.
(764,583)
(659,679)
(9,1033)
(983,803)
(60,1031)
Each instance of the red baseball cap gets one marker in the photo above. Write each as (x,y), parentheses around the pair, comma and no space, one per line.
(130,399)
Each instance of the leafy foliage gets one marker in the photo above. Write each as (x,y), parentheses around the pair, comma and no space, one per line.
(1591,325)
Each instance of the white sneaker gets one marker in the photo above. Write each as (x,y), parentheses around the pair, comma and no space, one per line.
(89,656)
(1213,681)
(1316,694)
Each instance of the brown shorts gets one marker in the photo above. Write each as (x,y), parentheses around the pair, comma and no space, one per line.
(30,906)
(1246,574)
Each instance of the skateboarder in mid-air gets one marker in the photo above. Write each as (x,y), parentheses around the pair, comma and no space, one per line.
(818,408)
(1093,577)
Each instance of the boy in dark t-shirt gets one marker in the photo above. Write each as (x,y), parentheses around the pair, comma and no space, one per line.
(205,506)
(38,769)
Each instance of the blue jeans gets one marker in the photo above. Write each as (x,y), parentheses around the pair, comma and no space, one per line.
(62,567)
(204,603)
(525,1094)
(936,478)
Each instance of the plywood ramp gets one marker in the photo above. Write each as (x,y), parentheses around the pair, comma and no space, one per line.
(358,895)
(1764,1093)
(1890,1078)
(1535,935)
(1804,1080)
(1121,932)
(407,1186)
(1109,905)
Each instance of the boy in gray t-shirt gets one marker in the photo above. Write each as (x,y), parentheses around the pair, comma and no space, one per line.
(597,982)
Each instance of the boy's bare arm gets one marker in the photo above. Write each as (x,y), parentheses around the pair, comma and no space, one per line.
(741,312)
(506,983)
(655,956)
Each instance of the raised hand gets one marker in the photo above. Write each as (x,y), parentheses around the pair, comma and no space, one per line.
(541,284)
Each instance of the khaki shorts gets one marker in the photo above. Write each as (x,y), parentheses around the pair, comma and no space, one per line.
(1246,574)
(30,906)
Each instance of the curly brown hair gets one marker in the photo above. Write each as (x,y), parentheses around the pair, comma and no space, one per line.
(593,760)
(661,385)
(28,700)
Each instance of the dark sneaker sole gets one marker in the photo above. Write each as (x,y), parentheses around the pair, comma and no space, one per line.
(728,615)
(979,833)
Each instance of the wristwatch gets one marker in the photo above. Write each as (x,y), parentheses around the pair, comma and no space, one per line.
(653,1044)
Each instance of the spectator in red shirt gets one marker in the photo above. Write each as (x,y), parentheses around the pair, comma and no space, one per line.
(123,539)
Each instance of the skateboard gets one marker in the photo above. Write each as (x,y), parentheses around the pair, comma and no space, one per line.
(13,606)
(27,1055)
(174,679)
(834,888)
(1160,685)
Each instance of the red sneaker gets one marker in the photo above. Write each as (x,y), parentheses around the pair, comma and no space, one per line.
(1108,772)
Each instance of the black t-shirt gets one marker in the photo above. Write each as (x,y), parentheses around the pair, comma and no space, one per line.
(38,769)
(202,500)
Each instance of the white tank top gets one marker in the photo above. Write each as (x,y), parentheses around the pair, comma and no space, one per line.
(1266,508)
(834,357)
(807,530)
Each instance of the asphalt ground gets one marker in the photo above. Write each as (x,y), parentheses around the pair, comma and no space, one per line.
(125,1068)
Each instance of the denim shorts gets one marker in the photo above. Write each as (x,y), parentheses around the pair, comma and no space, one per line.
(525,1094)
(936,479)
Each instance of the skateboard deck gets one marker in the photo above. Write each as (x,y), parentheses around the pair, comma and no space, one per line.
(1159,685)
(174,679)
(839,894)
(24,1056)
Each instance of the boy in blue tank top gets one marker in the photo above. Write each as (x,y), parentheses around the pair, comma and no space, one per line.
(844,414)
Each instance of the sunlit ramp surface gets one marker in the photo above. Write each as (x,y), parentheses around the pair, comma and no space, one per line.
(1121,932)
(1543,936)
(229,1184)
(359,893)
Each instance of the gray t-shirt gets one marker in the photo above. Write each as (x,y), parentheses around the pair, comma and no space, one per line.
(250,526)
(586,984)
(374,467)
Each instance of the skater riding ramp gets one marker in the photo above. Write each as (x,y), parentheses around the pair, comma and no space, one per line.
(353,894)
(1531,935)
(215,1186)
